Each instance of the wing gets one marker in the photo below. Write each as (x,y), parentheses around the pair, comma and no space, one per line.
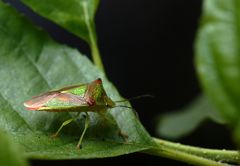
(38,101)
(54,100)
(68,99)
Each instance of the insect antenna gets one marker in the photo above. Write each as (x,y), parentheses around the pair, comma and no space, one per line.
(134,98)
(123,106)
(130,99)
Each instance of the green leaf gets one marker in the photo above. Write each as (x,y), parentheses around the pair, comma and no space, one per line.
(218,56)
(217,53)
(10,153)
(32,63)
(175,125)
(77,16)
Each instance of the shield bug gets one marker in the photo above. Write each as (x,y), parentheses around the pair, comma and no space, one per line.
(89,97)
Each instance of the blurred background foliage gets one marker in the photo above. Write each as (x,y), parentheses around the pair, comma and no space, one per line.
(10,153)
(217,62)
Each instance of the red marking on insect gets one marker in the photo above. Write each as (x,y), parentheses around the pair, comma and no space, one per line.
(98,81)
(63,98)
(90,101)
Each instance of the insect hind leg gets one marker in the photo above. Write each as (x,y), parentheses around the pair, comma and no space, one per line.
(65,123)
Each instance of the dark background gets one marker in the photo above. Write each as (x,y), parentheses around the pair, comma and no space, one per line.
(147,48)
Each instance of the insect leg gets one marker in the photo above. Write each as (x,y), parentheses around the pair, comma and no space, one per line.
(64,124)
(107,119)
(84,130)
(60,128)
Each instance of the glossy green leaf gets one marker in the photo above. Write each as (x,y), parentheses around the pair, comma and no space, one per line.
(77,16)
(32,63)
(10,153)
(177,124)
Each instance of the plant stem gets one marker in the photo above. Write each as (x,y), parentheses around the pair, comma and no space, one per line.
(93,39)
(95,54)
(214,154)
(184,157)
(193,155)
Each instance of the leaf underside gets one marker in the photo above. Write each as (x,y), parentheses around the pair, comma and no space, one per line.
(32,63)
(75,16)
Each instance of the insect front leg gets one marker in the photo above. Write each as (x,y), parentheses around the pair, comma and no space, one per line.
(64,124)
(87,120)
(109,120)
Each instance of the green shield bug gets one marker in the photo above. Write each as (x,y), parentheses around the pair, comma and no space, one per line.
(89,97)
